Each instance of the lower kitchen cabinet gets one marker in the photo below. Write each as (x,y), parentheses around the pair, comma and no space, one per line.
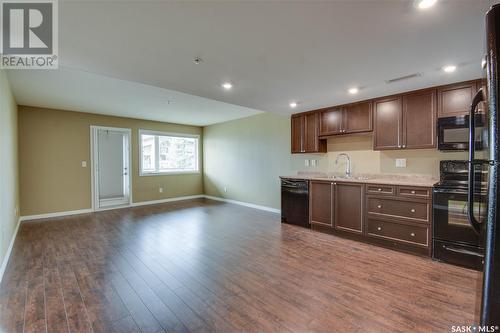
(349,207)
(321,198)
(414,234)
(398,217)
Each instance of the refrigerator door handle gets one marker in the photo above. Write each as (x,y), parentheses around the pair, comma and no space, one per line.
(478,98)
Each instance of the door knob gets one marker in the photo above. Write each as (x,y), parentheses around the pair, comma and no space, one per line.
(379,228)
(379,206)
(412,210)
(412,234)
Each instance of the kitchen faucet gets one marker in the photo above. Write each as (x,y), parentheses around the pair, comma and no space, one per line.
(348,166)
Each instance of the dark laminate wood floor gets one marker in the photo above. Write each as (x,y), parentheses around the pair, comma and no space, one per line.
(203,266)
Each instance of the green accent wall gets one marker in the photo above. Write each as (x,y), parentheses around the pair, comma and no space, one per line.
(9,188)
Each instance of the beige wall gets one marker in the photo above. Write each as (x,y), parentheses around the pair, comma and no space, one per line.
(246,156)
(52,145)
(9,187)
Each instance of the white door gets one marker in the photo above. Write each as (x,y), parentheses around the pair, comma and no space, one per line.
(111,167)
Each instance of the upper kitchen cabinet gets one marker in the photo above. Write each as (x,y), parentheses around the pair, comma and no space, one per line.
(352,118)
(358,117)
(387,119)
(297,133)
(330,122)
(419,120)
(305,130)
(406,121)
(483,106)
(455,99)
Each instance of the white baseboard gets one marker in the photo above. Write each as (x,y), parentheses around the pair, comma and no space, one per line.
(89,210)
(5,260)
(57,214)
(246,204)
(155,202)
(146,203)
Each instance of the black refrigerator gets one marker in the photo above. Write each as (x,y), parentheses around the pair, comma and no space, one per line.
(489,229)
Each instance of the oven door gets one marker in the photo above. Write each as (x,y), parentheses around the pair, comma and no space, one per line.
(453,132)
(450,217)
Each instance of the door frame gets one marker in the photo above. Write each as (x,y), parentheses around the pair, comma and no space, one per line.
(93,165)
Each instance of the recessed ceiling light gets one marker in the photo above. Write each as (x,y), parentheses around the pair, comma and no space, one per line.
(353,91)
(293,105)
(227,85)
(424,4)
(449,68)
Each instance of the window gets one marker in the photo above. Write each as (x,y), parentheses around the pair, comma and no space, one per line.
(165,153)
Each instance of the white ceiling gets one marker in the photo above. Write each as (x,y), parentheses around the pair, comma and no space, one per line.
(76,90)
(274,52)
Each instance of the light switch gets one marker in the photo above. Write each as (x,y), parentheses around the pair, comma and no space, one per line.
(306,163)
(160,189)
(84,164)
(313,163)
(400,162)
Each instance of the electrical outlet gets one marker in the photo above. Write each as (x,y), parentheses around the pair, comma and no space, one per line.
(225,189)
(306,163)
(313,163)
(160,189)
(84,164)
(400,162)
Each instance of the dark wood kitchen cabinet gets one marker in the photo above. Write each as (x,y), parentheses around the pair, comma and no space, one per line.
(297,133)
(419,120)
(305,131)
(331,122)
(320,203)
(387,121)
(406,121)
(349,207)
(358,117)
(394,216)
(455,99)
(352,118)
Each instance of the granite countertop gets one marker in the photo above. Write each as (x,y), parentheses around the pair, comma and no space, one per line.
(387,179)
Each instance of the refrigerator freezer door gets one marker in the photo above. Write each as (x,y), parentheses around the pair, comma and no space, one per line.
(490,296)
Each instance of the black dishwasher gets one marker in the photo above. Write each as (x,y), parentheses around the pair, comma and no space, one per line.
(295,202)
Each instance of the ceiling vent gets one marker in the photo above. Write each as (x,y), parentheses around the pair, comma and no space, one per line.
(401,78)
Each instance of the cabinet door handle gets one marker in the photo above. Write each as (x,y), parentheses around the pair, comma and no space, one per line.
(379,189)
(379,228)
(379,206)
(412,210)
(412,234)
(404,146)
(412,192)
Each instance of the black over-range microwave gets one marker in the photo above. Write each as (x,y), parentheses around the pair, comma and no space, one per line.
(453,133)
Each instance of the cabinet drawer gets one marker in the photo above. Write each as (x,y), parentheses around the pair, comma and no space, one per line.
(405,233)
(380,189)
(414,192)
(418,211)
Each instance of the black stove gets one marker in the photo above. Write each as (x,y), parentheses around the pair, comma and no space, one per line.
(454,175)
(454,240)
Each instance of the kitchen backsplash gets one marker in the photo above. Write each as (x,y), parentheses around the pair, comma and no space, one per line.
(365,160)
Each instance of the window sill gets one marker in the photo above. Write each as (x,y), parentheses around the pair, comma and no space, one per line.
(173,173)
